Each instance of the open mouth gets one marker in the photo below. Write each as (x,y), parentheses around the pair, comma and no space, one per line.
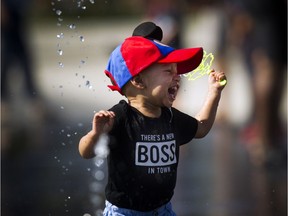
(172,91)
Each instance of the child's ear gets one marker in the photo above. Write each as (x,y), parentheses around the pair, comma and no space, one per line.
(137,82)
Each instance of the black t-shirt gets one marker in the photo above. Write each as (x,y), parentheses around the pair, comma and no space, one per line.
(144,153)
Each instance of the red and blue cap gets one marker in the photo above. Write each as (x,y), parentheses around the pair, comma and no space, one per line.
(137,53)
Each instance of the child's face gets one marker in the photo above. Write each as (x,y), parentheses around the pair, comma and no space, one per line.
(162,84)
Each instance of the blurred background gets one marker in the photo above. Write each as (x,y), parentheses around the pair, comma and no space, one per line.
(53,54)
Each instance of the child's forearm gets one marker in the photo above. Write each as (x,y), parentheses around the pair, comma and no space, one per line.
(87,145)
(102,123)
(207,114)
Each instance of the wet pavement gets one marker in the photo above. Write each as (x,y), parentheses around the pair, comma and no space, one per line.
(43,174)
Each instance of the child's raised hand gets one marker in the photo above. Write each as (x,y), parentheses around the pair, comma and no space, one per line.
(217,79)
(103,121)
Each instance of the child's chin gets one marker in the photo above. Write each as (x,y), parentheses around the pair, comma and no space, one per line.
(169,104)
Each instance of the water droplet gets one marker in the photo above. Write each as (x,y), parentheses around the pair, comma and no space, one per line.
(99,212)
(81,38)
(88,169)
(60,36)
(84,7)
(86,214)
(99,162)
(87,83)
(68,135)
(92,1)
(96,199)
(61,64)
(60,19)
(62,107)
(58,12)
(72,26)
(82,62)
(60,52)
(99,175)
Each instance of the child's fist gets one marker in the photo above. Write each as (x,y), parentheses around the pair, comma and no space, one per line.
(217,79)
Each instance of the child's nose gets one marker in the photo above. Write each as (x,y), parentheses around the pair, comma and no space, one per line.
(177,77)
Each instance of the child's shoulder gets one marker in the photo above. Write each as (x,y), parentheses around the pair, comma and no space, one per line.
(122,106)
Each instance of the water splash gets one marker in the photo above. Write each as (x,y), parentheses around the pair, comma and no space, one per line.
(101,148)
(203,69)
(99,161)
(60,36)
(72,26)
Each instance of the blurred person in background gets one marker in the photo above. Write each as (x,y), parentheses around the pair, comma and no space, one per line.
(14,46)
(259,31)
(168,15)
(22,108)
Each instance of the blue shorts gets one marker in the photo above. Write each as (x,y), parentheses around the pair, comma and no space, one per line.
(112,210)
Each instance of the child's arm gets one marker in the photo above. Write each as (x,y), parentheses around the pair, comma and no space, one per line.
(102,123)
(207,114)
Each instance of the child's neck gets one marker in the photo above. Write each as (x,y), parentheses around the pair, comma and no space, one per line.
(147,109)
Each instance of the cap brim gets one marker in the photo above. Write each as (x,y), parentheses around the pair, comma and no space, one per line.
(186,59)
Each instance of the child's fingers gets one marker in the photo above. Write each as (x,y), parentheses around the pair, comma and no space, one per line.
(103,121)
(221,76)
(104,113)
(212,71)
(218,76)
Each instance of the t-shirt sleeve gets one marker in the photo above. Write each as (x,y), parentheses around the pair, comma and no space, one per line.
(185,126)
